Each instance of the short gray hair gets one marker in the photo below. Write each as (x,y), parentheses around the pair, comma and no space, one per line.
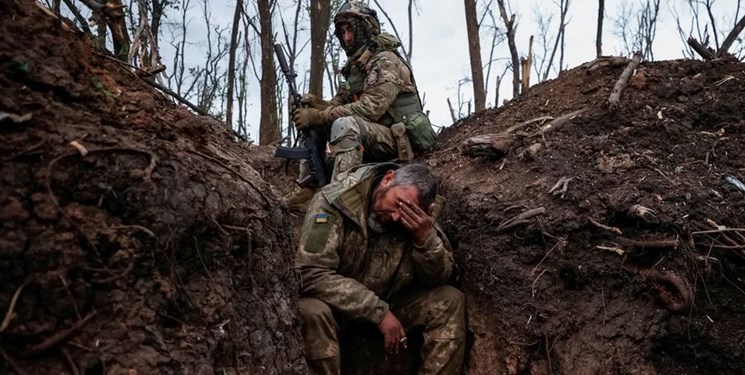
(421,178)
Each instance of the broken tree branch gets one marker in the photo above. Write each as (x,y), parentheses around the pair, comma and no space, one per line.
(615,96)
(561,186)
(702,50)
(559,122)
(613,230)
(522,218)
(58,338)
(731,37)
(489,145)
(9,315)
(528,122)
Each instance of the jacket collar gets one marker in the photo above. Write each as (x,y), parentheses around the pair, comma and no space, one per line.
(351,196)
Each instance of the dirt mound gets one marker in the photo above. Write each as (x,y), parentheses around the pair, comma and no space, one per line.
(653,286)
(134,236)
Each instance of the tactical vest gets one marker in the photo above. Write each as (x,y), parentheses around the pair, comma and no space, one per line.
(406,108)
(406,103)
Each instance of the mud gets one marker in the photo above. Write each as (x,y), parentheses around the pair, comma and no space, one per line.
(136,237)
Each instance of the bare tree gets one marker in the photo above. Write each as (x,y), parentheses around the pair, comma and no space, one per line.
(638,28)
(497,37)
(320,13)
(599,37)
(559,42)
(111,13)
(525,63)
(176,79)
(510,26)
(268,124)
(731,37)
(474,51)
(406,48)
(231,61)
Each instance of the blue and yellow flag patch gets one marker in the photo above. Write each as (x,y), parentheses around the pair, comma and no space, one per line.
(322,218)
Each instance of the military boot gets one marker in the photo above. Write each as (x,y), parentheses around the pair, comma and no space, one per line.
(299,198)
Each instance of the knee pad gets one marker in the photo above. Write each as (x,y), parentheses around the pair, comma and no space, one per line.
(345,132)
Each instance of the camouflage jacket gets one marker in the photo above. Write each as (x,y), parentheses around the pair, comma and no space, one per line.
(355,270)
(373,82)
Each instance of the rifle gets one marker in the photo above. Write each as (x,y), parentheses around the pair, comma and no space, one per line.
(314,147)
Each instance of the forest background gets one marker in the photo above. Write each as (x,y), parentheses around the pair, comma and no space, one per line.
(217,56)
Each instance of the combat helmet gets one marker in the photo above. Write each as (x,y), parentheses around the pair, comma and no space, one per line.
(364,21)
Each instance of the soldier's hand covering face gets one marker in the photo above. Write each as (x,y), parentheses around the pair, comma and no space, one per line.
(418,222)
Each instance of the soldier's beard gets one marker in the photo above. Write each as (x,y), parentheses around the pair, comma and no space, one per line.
(375,223)
(379,223)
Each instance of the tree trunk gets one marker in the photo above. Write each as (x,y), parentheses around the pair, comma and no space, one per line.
(231,63)
(268,124)
(320,12)
(599,38)
(509,24)
(474,50)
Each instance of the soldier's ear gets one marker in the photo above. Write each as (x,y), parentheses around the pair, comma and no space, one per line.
(388,178)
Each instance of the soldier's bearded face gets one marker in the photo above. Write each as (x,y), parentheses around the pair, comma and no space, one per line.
(347,35)
(385,213)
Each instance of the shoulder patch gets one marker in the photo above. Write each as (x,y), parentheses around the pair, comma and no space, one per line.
(319,232)
(372,78)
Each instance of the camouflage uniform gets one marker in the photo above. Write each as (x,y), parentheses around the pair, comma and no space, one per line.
(378,91)
(359,274)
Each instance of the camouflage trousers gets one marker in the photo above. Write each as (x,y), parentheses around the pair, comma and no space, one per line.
(440,311)
(353,139)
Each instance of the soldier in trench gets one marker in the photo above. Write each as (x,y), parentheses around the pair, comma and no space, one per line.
(370,253)
(376,113)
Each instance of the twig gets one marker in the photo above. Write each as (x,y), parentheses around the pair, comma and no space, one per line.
(522,218)
(239,175)
(614,249)
(179,98)
(613,230)
(614,100)
(138,227)
(723,230)
(548,354)
(115,277)
(653,244)
(723,81)
(532,286)
(561,241)
(26,151)
(10,314)
(561,186)
(58,338)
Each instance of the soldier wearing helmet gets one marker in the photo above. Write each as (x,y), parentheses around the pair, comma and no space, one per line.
(376,114)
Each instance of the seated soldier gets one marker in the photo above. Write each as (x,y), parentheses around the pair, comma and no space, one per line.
(376,113)
(370,251)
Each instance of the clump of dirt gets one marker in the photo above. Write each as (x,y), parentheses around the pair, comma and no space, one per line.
(138,238)
(656,285)
(135,237)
